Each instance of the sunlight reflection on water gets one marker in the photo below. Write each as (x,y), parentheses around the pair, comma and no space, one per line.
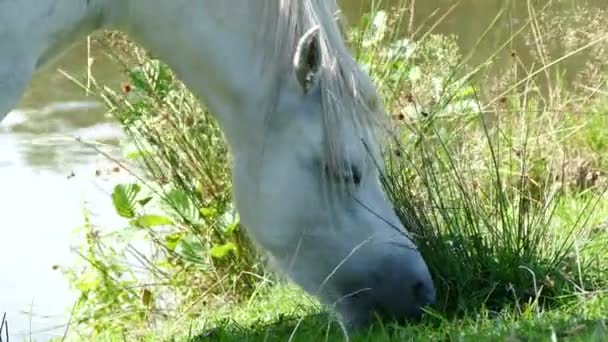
(40,207)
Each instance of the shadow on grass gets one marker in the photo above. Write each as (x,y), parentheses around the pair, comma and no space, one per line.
(304,328)
(321,327)
(312,327)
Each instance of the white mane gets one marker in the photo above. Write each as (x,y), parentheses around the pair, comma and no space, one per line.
(348,96)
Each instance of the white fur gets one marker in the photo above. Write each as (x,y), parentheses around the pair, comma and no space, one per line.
(288,142)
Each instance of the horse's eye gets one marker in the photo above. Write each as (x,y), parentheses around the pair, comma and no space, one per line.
(356,174)
(352,176)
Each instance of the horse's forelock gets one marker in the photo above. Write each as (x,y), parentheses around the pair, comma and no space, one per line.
(344,89)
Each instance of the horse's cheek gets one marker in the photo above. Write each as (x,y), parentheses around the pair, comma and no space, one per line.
(269,202)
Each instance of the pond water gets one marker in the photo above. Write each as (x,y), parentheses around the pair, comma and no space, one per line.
(46,176)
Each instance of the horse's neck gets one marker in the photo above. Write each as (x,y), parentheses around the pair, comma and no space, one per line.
(210,44)
(32,32)
(215,52)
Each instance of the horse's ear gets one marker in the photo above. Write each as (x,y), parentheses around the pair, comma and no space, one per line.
(307,59)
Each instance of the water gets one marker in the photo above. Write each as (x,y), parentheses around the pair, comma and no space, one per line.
(45,176)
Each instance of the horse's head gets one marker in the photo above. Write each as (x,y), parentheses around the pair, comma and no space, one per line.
(318,205)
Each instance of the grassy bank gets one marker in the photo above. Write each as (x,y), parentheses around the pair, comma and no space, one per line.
(501,180)
(285,314)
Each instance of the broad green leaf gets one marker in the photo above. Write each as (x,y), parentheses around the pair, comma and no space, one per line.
(149,221)
(208,212)
(220,251)
(172,240)
(124,199)
(232,227)
(178,202)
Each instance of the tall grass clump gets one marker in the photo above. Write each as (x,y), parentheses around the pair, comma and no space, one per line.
(502,216)
(500,180)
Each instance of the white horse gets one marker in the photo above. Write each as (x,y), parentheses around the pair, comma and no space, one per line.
(300,118)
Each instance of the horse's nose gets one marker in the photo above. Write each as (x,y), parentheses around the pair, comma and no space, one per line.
(424,292)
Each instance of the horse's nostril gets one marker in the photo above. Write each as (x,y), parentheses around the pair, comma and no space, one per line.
(424,293)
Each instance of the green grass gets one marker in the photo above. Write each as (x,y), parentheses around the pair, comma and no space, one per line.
(283,313)
(581,321)
(501,182)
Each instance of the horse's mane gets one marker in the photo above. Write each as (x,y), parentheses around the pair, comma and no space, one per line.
(345,90)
